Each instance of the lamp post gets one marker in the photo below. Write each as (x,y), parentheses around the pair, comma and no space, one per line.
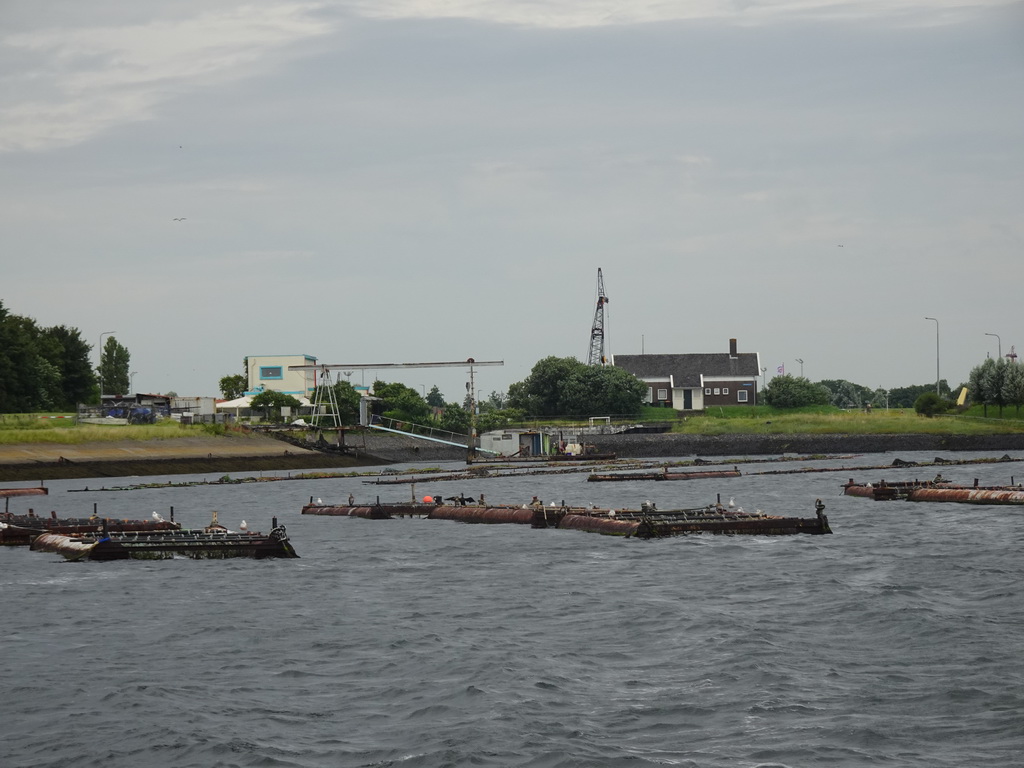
(131,381)
(999,341)
(801,367)
(100,368)
(763,370)
(937,377)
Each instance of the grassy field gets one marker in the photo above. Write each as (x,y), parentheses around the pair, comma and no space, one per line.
(828,420)
(45,428)
(18,429)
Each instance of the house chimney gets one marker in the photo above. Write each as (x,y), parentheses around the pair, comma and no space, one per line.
(732,347)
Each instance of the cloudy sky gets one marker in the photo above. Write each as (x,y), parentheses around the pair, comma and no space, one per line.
(430,180)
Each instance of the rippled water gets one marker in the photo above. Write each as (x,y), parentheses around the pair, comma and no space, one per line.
(896,641)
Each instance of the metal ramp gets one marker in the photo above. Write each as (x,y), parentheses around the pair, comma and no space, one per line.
(433,434)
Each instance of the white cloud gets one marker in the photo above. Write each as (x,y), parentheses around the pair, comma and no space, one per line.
(602,13)
(92,78)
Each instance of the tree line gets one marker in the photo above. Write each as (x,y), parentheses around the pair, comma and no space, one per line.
(48,368)
(995,382)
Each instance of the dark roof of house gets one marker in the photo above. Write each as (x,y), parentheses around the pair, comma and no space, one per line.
(686,370)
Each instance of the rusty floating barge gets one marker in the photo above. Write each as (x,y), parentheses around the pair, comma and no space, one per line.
(21,530)
(7,493)
(665,475)
(212,542)
(646,523)
(936,490)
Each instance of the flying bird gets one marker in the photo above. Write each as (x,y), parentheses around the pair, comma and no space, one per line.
(181,219)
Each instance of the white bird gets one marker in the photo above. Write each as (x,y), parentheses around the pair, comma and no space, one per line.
(731,502)
(156,516)
(319,500)
(611,513)
(244,526)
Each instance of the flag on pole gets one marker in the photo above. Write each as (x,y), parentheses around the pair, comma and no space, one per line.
(782,369)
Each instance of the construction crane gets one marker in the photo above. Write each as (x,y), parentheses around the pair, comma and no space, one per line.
(597,353)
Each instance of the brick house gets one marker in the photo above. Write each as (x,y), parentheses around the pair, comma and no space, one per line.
(696,382)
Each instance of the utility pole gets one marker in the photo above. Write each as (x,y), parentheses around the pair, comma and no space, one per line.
(937,377)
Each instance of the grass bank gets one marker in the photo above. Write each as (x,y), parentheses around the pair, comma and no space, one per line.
(56,430)
(820,421)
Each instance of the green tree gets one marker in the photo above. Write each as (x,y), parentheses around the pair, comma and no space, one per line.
(846,394)
(42,368)
(1013,385)
(77,379)
(19,391)
(788,391)
(986,384)
(905,397)
(270,401)
(233,386)
(563,386)
(499,419)
(930,404)
(434,397)
(401,403)
(456,419)
(113,370)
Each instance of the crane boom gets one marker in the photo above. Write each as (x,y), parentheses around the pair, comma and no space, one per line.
(597,355)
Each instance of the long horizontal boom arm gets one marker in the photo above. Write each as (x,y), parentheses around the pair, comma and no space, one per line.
(367,366)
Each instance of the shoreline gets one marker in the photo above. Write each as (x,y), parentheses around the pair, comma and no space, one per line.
(36,462)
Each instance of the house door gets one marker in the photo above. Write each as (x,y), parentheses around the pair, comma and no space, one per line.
(687,399)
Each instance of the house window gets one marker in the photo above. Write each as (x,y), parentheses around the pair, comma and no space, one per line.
(741,396)
(707,391)
(663,394)
(725,390)
(650,394)
(718,391)
(270,372)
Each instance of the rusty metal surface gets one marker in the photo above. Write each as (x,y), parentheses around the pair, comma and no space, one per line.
(699,475)
(666,475)
(374,512)
(11,492)
(968,495)
(647,522)
(607,525)
(469,514)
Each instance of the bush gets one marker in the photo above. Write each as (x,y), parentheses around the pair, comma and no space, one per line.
(930,404)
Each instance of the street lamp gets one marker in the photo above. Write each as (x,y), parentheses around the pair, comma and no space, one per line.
(100,368)
(801,367)
(763,369)
(1000,341)
(131,381)
(937,378)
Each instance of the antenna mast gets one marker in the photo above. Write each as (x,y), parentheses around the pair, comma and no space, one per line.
(597,353)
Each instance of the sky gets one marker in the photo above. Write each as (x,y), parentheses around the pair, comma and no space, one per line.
(392,181)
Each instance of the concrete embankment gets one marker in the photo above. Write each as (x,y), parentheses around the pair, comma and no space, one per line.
(31,462)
